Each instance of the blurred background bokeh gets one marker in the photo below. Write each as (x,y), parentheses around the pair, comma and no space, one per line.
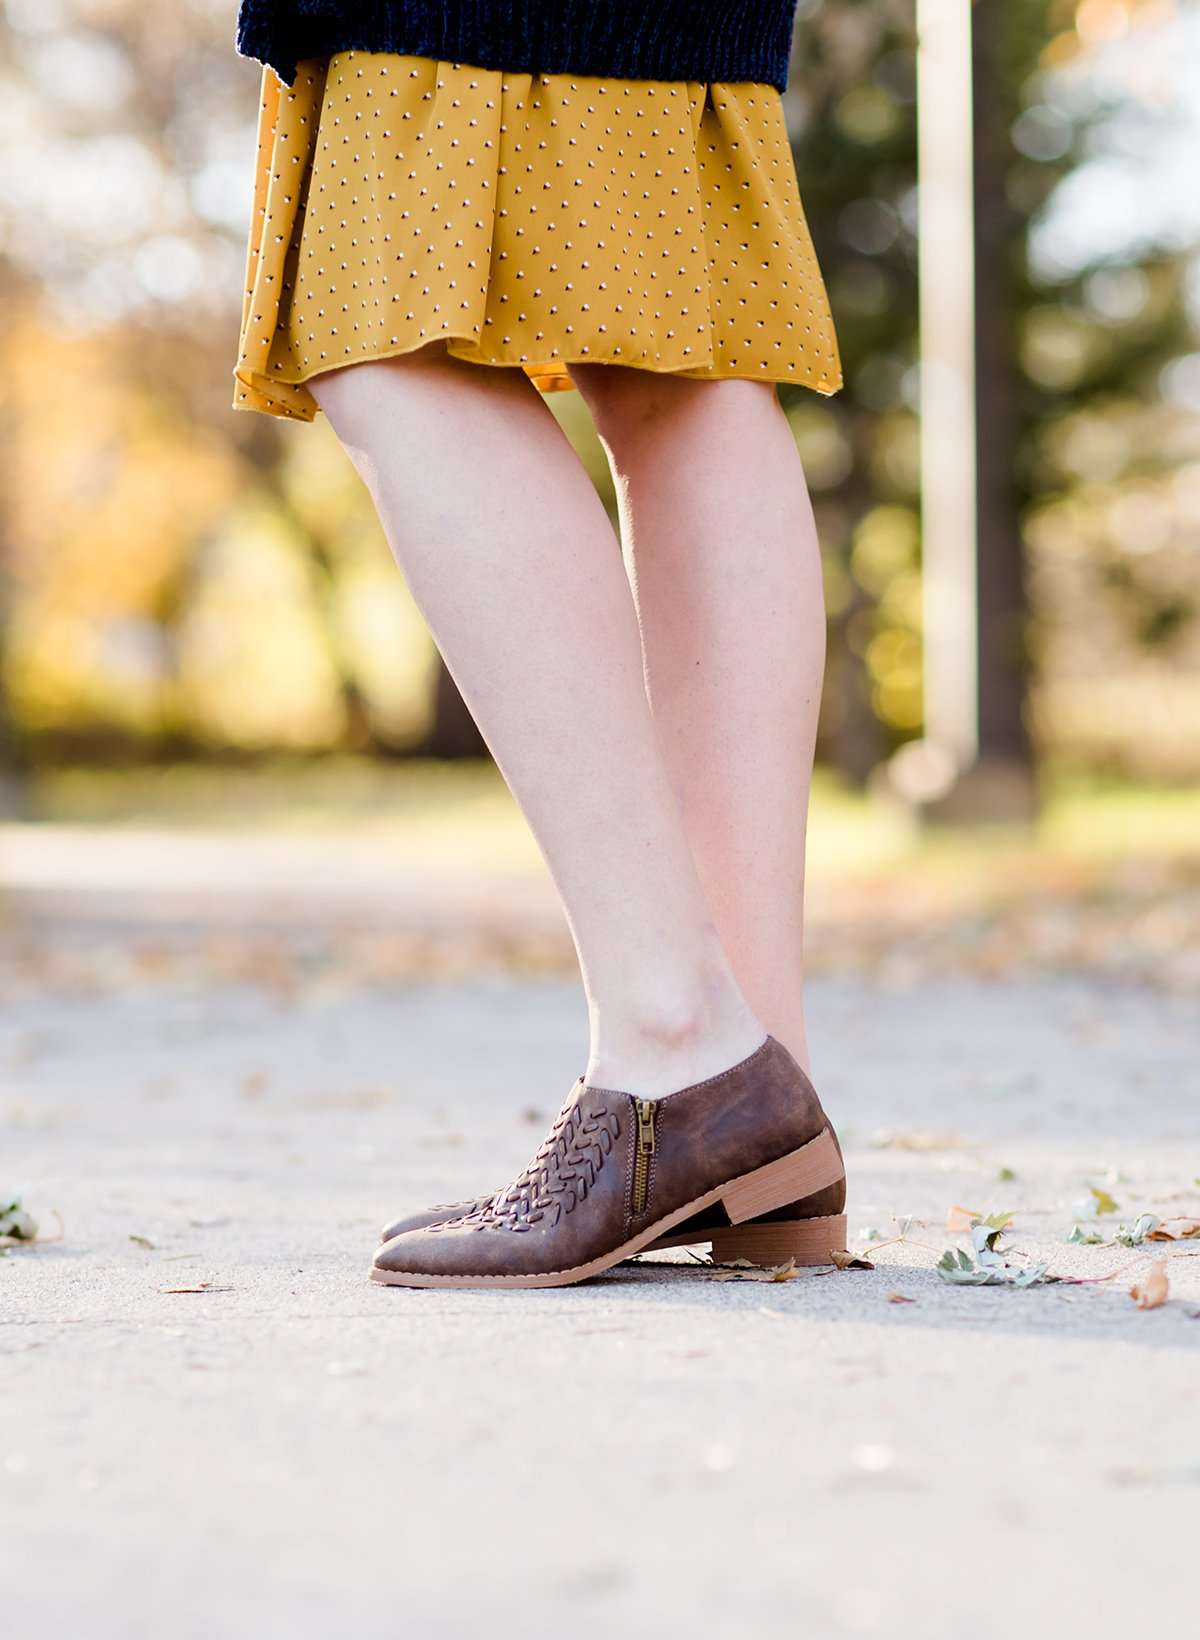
(201,627)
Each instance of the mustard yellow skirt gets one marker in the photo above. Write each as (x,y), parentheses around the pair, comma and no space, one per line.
(531,220)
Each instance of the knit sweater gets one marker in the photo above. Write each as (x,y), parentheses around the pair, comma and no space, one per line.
(722,40)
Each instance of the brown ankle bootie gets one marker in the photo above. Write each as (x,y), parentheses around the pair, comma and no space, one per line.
(805,1231)
(747,1160)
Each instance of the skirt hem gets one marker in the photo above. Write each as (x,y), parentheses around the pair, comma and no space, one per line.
(554,374)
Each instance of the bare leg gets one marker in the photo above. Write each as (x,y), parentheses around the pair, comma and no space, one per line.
(512,560)
(722,553)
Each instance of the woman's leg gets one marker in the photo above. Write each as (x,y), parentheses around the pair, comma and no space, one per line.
(513,562)
(722,553)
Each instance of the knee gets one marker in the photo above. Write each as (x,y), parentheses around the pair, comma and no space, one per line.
(631,406)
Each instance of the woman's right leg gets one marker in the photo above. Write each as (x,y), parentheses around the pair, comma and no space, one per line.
(511,557)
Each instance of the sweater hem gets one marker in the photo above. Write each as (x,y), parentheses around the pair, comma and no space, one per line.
(575,37)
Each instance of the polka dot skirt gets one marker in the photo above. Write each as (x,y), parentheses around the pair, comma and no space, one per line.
(531,220)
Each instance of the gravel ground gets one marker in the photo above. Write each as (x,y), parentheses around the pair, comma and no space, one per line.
(292,1451)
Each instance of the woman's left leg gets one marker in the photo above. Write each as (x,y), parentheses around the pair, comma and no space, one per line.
(721,550)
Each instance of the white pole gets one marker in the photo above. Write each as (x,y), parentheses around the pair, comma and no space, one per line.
(948,409)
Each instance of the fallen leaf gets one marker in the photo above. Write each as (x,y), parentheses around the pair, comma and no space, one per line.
(960,1219)
(1006,1175)
(142,1241)
(1089,1238)
(16,1224)
(989,1268)
(900,1298)
(1104,1202)
(741,1269)
(1133,1235)
(1174,1230)
(849,1261)
(1153,1288)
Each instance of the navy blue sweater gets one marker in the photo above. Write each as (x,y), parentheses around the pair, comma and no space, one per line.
(628,39)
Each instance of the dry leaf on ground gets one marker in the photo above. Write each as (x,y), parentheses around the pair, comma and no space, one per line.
(849,1261)
(1174,1230)
(741,1269)
(900,1298)
(1153,1289)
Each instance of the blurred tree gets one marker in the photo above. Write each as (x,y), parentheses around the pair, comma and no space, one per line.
(852,109)
(130,141)
(1072,354)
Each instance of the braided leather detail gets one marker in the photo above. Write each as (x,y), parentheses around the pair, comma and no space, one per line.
(559,1177)
(461,1208)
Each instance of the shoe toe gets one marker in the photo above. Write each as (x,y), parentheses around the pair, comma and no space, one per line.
(430,1216)
(428,1251)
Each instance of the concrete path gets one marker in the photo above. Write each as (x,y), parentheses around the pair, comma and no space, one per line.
(293,1452)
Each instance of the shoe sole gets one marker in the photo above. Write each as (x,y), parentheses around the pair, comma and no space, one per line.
(815,1166)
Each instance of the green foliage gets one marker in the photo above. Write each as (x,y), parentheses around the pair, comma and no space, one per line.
(1127,1235)
(15,1222)
(988,1267)
(1133,1235)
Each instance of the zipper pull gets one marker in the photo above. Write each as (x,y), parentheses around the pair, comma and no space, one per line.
(645,1112)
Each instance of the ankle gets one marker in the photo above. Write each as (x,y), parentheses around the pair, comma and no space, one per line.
(656,1051)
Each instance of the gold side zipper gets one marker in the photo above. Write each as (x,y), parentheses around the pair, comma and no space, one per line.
(646,1110)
